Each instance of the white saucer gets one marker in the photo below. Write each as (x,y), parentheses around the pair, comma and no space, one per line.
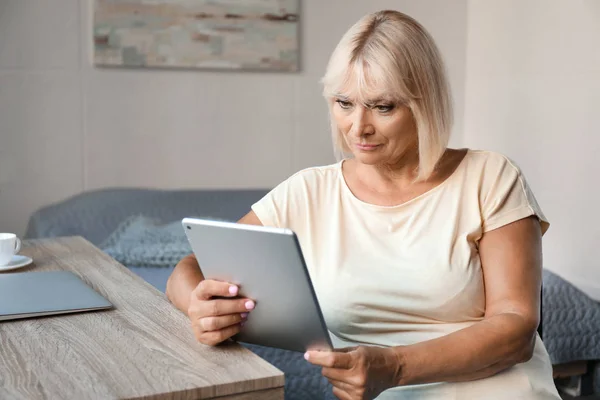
(16,262)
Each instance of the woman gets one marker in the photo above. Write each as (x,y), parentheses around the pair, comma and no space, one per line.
(426,260)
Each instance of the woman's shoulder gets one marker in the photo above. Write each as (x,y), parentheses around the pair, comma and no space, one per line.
(504,192)
(494,173)
(315,175)
(489,156)
(491,162)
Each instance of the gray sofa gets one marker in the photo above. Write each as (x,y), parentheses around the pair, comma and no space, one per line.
(95,215)
(571,320)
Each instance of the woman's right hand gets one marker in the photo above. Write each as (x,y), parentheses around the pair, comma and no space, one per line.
(215,311)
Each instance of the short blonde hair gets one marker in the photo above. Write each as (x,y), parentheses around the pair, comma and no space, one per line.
(391,50)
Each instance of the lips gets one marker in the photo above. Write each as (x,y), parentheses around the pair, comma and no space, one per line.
(366,147)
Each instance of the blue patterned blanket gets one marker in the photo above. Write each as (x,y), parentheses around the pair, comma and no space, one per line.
(142,241)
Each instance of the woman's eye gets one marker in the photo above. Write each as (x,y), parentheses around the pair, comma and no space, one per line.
(384,108)
(344,104)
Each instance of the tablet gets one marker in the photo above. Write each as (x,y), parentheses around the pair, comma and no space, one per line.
(268,266)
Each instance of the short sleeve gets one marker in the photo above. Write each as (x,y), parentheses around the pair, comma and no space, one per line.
(508,197)
(287,205)
(272,209)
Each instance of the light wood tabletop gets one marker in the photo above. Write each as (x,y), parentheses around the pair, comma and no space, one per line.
(142,349)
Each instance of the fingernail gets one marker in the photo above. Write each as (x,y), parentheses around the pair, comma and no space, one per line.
(306,356)
(243,323)
(244,314)
(233,290)
(249,305)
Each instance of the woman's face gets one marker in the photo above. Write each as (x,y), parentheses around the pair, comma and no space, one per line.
(378,131)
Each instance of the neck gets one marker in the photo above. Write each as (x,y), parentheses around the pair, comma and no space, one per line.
(402,173)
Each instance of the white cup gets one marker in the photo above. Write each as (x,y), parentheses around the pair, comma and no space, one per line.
(10,245)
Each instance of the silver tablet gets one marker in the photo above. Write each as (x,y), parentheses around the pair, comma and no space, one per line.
(268,266)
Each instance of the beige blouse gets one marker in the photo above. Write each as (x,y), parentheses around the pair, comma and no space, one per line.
(399,275)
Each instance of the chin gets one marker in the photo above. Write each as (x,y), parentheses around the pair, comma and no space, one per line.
(368,158)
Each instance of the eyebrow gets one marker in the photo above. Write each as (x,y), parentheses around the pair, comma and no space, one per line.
(382,99)
(341,96)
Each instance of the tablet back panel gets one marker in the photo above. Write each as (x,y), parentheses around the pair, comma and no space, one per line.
(268,266)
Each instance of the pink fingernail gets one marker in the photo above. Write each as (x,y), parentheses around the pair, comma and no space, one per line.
(243,323)
(249,305)
(306,356)
(244,314)
(233,290)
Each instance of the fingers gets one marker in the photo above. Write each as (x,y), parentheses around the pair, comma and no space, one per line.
(208,289)
(213,338)
(203,304)
(215,313)
(340,393)
(212,330)
(347,380)
(335,374)
(215,308)
(346,349)
(330,359)
(217,323)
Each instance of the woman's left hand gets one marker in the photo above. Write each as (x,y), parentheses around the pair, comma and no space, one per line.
(361,372)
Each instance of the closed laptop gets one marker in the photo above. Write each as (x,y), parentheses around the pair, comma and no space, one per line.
(35,294)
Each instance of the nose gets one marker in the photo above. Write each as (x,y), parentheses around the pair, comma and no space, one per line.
(361,124)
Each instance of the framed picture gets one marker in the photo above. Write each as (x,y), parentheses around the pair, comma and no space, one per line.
(209,34)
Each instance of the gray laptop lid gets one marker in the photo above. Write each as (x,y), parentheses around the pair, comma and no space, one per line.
(34,294)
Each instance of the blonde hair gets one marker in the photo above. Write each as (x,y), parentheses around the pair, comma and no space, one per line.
(391,50)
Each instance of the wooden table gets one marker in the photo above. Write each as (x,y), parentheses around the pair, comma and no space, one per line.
(142,349)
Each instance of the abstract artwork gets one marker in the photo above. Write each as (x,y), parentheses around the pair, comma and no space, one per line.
(213,34)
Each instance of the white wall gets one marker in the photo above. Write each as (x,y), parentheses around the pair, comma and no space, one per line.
(66,126)
(533,92)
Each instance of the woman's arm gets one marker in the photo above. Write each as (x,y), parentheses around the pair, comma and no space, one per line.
(511,259)
(182,281)
(187,274)
(512,263)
